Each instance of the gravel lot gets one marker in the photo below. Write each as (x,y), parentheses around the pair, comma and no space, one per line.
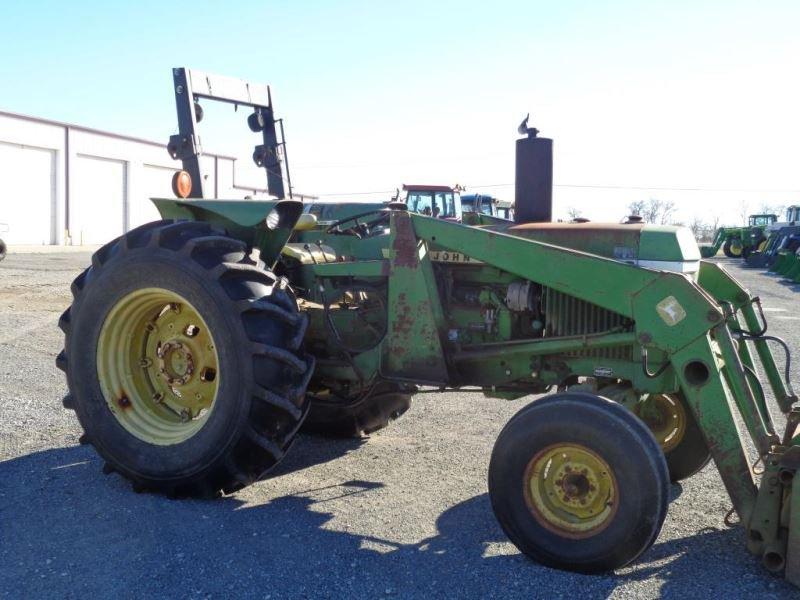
(403,513)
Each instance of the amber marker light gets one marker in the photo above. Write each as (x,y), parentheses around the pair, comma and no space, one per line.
(182,184)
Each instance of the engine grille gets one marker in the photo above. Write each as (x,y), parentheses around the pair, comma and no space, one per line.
(566,315)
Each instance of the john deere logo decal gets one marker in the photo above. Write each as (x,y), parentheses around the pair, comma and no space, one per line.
(453,257)
(670,311)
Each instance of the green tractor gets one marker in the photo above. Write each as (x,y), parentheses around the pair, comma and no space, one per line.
(781,238)
(198,346)
(740,242)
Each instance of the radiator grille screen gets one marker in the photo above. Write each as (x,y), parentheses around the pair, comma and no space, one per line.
(566,315)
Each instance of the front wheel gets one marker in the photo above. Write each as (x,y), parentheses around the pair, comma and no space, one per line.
(732,248)
(579,483)
(184,360)
(754,247)
(672,422)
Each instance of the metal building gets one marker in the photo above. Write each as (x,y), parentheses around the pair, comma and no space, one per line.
(72,185)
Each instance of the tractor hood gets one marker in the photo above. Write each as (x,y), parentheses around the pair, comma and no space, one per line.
(665,248)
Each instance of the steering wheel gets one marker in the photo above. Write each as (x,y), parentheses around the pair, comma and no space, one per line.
(361,226)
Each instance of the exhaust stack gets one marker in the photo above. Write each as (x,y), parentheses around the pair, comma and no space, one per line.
(533,188)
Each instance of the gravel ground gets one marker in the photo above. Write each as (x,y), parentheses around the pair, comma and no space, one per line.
(403,513)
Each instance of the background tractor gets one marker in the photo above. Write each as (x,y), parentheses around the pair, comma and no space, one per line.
(198,346)
(505,209)
(438,201)
(782,236)
(739,242)
(479,203)
(480,209)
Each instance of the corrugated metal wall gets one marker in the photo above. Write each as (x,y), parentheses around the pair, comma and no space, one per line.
(66,184)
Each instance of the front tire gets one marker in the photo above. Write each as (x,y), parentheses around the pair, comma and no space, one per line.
(184,360)
(732,249)
(579,483)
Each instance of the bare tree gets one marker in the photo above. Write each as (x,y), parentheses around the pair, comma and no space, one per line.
(666,211)
(772,209)
(744,211)
(637,208)
(704,232)
(697,226)
(659,212)
(574,213)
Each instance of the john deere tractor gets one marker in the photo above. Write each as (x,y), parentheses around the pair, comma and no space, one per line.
(198,346)
(781,238)
(740,242)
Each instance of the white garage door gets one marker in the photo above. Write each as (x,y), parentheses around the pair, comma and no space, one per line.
(97,200)
(156,183)
(27,194)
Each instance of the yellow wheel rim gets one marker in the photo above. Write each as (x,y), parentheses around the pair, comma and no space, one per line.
(762,245)
(158,366)
(666,418)
(571,490)
(736,248)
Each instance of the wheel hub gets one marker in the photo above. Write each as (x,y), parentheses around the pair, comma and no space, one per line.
(574,487)
(666,418)
(175,363)
(156,352)
(571,490)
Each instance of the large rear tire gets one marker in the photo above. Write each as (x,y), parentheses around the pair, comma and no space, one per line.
(579,483)
(339,417)
(184,360)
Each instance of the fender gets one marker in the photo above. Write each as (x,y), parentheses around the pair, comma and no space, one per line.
(245,220)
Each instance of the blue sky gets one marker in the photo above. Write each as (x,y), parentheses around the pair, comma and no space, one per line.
(699,94)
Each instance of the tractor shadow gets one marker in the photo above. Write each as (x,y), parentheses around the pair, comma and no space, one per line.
(309,450)
(790,283)
(67,531)
(779,277)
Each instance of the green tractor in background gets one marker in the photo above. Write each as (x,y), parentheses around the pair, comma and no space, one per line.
(781,238)
(739,242)
(197,347)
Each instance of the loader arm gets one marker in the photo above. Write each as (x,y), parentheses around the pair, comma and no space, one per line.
(671,313)
(692,323)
